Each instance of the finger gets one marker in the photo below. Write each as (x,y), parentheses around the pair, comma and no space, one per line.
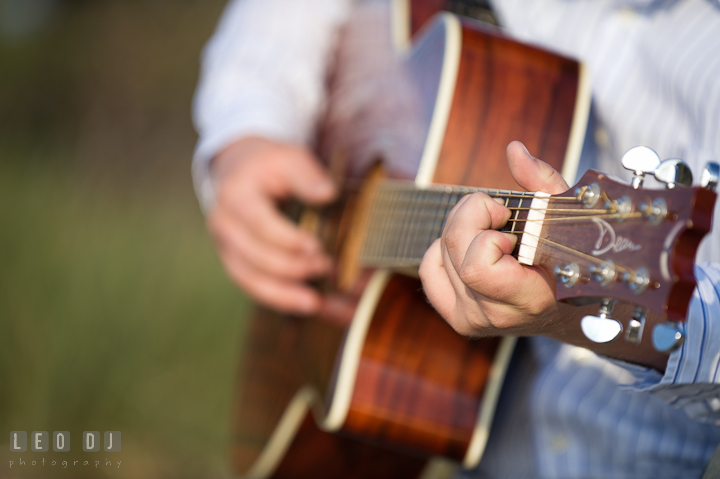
(487,267)
(435,280)
(306,179)
(454,210)
(467,317)
(479,212)
(278,294)
(259,213)
(491,271)
(532,173)
(240,242)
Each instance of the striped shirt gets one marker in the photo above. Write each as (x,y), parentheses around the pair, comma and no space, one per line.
(564,412)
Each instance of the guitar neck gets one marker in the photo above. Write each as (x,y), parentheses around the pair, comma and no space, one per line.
(404,220)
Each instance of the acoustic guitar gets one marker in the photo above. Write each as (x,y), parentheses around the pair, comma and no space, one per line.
(379,386)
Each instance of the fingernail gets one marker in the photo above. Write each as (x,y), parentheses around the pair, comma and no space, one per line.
(527,152)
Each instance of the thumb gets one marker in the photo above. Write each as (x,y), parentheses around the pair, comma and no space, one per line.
(307,179)
(532,173)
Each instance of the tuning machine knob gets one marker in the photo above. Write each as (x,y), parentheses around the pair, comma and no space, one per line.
(668,336)
(636,325)
(642,161)
(709,178)
(568,275)
(674,172)
(602,328)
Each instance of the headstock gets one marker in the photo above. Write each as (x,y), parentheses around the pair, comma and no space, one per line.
(605,241)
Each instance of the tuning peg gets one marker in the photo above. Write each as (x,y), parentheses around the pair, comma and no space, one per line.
(636,325)
(601,328)
(668,336)
(674,172)
(642,161)
(710,176)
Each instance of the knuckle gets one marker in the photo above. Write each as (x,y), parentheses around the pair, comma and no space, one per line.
(466,324)
(501,321)
(470,273)
(451,239)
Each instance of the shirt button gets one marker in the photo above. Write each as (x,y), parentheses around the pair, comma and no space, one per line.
(627,15)
(602,137)
(558,443)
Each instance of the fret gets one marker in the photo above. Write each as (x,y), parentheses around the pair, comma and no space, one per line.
(515,217)
(420,231)
(379,215)
(520,214)
(417,242)
(400,237)
(409,225)
(388,212)
(389,233)
(391,197)
(438,218)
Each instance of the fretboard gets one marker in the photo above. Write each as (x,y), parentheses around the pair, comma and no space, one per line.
(405,220)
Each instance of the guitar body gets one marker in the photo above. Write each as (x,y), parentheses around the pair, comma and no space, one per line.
(380,384)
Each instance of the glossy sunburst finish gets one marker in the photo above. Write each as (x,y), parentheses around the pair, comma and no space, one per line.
(419,384)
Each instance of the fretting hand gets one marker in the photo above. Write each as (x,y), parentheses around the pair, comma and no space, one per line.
(469,275)
(472,280)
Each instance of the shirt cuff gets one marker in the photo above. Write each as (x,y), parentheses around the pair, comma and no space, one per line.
(233,129)
(691,378)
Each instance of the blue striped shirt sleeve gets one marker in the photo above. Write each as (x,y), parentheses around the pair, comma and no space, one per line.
(691,379)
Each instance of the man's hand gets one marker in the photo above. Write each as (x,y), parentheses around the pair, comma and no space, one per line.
(469,275)
(262,251)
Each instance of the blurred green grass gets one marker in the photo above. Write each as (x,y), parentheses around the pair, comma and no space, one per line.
(116,316)
(114,311)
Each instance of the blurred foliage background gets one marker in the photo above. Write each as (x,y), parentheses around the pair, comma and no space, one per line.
(115,314)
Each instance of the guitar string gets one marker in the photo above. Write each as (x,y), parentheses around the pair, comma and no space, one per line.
(412,196)
(573,251)
(414,260)
(468,191)
(409,217)
(552,243)
(610,214)
(426,202)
